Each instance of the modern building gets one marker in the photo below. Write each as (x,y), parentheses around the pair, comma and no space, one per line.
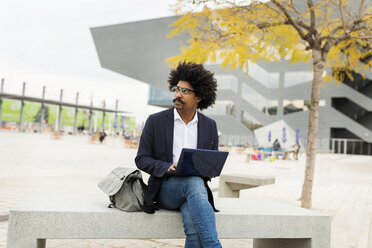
(269,93)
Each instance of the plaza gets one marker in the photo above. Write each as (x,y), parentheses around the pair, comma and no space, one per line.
(123,52)
(36,163)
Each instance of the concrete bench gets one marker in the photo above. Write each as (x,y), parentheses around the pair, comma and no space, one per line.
(270,223)
(231,184)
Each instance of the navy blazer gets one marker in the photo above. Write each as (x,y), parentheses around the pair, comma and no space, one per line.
(155,152)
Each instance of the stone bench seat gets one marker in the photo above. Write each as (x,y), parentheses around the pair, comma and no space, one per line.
(231,184)
(270,223)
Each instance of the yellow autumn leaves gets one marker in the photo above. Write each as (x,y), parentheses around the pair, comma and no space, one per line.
(235,34)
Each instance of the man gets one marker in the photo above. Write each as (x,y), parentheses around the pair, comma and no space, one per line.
(276,148)
(163,137)
(276,145)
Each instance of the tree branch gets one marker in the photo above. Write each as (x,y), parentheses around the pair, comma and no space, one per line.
(342,15)
(268,25)
(368,37)
(304,25)
(351,27)
(295,9)
(312,15)
(292,21)
(360,9)
(327,46)
(273,9)
(346,35)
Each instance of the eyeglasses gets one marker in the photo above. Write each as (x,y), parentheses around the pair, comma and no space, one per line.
(184,91)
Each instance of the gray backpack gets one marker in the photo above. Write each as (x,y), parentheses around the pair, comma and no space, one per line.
(127,191)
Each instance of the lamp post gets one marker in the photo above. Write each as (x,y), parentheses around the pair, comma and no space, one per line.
(42,111)
(60,111)
(76,113)
(22,108)
(103,115)
(1,100)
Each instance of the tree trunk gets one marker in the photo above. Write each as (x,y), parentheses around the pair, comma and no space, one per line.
(312,133)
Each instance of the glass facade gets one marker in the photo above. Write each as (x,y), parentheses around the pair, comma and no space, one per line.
(269,107)
(268,79)
(227,82)
(293,78)
(292,106)
(160,97)
(222,108)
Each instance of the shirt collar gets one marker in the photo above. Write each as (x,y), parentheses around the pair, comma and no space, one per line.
(177,116)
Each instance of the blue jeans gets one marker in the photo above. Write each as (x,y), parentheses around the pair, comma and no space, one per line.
(190,195)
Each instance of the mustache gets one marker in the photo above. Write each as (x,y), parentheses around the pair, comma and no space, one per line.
(178,99)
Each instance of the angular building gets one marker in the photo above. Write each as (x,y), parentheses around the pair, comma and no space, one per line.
(269,93)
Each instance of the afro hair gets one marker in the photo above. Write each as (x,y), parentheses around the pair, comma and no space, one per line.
(202,80)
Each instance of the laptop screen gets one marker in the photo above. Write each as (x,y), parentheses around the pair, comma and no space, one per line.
(201,162)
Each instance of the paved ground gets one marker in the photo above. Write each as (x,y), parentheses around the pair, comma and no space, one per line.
(36,163)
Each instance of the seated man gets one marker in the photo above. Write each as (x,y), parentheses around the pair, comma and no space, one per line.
(164,136)
(296,150)
(276,148)
(276,145)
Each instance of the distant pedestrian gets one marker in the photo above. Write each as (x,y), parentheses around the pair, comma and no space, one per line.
(296,150)
(102,136)
(276,145)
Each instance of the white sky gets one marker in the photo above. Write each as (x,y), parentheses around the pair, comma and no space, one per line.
(48,42)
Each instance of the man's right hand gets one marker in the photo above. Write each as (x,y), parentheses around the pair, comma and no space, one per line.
(172,168)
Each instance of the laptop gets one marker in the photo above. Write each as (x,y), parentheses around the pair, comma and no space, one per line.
(201,162)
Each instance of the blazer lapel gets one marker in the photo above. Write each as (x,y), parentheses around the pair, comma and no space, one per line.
(169,126)
(200,141)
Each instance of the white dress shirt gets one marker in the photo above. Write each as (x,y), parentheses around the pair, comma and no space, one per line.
(184,136)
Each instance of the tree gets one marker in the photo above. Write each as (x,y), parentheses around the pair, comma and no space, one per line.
(333,33)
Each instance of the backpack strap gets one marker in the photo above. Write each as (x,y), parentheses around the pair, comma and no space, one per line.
(148,205)
(112,200)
